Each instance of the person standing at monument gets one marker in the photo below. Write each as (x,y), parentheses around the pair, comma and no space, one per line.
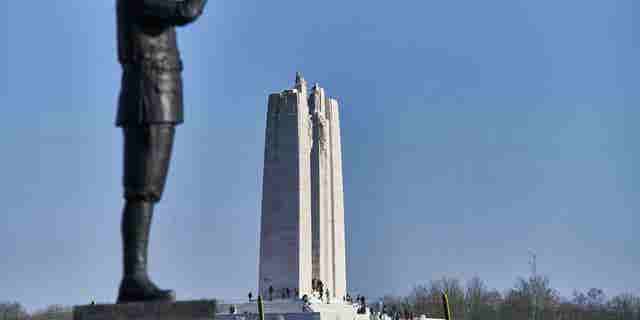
(149,108)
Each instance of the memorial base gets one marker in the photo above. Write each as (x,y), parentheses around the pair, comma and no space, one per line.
(180,310)
(291,309)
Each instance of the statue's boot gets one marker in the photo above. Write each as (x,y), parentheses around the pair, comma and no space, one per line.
(136,285)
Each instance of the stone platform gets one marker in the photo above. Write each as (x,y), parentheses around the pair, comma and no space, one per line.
(181,310)
(290,310)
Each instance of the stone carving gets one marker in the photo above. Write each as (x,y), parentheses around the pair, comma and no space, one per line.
(323,135)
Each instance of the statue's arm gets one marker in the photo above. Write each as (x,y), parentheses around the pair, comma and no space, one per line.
(173,12)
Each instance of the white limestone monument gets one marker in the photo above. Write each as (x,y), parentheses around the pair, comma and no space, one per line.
(302,225)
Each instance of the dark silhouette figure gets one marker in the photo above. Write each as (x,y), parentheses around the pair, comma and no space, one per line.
(149,108)
(250,296)
(270,293)
(320,288)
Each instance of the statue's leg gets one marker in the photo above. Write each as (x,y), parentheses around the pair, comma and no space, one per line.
(147,154)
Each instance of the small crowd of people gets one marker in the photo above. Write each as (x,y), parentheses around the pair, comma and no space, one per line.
(319,291)
(360,302)
(380,311)
(359,299)
(284,293)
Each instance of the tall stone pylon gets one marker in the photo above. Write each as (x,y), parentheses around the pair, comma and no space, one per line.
(285,239)
(327,200)
(302,228)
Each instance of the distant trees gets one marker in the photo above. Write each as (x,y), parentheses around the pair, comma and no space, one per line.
(427,299)
(53,312)
(15,311)
(12,311)
(455,292)
(591,305)
(480,302)
(529,299)
(624,306)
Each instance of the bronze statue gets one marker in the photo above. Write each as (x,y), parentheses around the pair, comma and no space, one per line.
(149,108)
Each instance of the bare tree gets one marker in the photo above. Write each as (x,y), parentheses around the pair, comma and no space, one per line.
(12,311)
(623,306)
(480,302)
(53,312)
(519,301)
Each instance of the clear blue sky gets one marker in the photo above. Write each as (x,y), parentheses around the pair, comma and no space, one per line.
(472,131)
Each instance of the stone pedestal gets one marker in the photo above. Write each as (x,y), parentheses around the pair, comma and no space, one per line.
(181,310)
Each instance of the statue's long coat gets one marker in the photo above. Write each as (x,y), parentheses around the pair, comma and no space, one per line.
(151,89)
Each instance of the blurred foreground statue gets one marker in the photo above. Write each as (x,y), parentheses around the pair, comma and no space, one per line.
(149,108)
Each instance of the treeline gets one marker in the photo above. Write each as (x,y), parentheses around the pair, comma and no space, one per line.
(529,299)
(15,311)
